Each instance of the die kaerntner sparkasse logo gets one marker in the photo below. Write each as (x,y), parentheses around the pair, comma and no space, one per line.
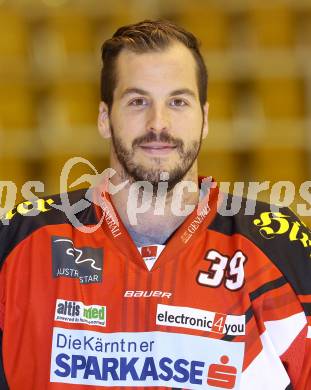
(89,357)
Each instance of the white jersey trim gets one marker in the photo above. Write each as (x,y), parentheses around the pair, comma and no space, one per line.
(266,371)
(283,332)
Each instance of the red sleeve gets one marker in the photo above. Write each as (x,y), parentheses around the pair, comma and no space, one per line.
(304,382)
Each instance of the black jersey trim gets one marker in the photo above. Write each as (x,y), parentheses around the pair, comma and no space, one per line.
(307,308)
(227,338)
(22,227)
(267,287)
(248,315)
(3,381)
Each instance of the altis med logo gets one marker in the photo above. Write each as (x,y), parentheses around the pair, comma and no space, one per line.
(78,313)
(83,357)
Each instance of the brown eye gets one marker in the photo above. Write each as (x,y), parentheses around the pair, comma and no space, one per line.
(138,102)
(178,103)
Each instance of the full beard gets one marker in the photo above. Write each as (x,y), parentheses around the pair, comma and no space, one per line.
(137,172)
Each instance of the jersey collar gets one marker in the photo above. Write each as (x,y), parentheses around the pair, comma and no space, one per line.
(197,222)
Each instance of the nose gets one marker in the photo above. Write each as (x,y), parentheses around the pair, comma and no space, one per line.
(158,119)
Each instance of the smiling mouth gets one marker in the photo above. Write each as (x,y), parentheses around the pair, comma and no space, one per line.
(159,148)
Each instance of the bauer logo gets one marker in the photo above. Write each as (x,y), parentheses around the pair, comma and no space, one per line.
(84,263)
(78,313)
(144,359)
(187,317)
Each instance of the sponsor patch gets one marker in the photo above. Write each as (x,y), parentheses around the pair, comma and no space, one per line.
(28,208)
(273,224)
(147,294)
(141,359)
(150,254)
(85,263)
(195,223)
(149,251)
(78,313)
(187,317)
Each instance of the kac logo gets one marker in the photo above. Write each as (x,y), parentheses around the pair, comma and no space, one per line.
(84,263)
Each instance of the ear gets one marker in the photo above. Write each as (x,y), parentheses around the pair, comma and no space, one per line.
(205,120)
(103,121)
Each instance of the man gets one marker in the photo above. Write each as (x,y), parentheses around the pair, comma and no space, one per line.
(175,295)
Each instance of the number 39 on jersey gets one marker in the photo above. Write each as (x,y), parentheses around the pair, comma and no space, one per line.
(223,270)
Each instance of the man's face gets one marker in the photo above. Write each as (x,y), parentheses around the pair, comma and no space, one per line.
(156,119)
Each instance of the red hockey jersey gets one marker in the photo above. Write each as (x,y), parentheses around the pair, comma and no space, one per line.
(225,306)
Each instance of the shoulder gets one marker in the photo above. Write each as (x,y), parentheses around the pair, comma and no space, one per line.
(276,231)
(28,216)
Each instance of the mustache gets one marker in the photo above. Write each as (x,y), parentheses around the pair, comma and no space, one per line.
(158,137)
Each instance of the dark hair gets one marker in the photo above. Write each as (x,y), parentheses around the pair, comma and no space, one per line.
(142,37)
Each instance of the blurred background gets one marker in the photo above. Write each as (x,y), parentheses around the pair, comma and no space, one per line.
(259,61)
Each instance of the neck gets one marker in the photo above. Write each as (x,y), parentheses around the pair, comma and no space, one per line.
(152,216)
